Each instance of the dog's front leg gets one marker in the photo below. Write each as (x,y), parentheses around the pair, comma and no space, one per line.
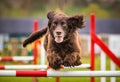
(54,60)
(72,59)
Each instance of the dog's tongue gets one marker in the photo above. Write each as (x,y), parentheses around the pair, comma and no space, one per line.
(58,39)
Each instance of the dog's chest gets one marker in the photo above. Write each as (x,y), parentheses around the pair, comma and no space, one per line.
(63,49)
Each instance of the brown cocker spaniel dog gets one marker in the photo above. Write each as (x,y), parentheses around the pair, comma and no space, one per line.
(62,41)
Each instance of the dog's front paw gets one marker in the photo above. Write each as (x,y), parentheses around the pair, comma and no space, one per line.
(55,62)
(72,61)
(68,62)
(77,62)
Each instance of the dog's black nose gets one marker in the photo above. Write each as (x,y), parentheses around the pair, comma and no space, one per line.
(58,33)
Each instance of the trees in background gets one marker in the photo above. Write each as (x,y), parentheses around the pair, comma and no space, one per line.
(36,8)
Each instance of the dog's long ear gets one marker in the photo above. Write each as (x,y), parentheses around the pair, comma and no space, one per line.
(50,15)
(76,21)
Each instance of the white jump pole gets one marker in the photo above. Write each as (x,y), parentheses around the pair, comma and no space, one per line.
(24,67)
(16,58)
(42,54)
(112,66)
(33,73)
(103,64)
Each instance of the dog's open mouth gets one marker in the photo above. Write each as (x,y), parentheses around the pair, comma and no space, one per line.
(58,39)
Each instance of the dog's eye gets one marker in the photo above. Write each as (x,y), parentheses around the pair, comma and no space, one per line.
(63,24)
(54,23)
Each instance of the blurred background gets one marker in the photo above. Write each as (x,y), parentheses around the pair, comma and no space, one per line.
(39,8)
(16,24)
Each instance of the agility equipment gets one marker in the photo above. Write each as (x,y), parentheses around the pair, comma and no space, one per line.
(19,67)
(51,73)
(16,58)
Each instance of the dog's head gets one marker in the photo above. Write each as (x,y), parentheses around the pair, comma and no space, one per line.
(62,26)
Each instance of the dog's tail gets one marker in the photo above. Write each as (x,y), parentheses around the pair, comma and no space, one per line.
(34,36)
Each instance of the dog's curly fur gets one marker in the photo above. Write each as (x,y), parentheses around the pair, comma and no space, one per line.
(61,49)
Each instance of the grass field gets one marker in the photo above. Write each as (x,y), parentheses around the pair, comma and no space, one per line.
(64,79)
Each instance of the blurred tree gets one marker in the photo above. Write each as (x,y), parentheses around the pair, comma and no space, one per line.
(5,5)
(112,5)
(115,8)
(95,8)
(38,8)
(80,2)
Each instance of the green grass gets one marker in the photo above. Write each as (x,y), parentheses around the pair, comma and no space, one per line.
(64,79)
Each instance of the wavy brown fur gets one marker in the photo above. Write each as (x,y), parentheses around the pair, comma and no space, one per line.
(66,53)
(34,36)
